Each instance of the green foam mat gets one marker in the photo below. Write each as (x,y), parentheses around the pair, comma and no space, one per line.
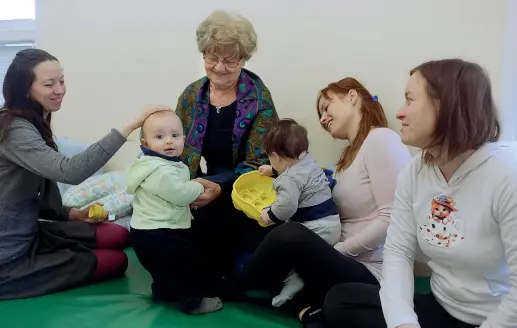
(126,303)
(422,285)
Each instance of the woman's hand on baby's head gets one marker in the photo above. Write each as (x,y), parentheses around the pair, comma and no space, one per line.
(266,170)
(139,119)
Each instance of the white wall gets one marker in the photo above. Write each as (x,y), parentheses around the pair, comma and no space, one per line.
(119,55)
(508,92)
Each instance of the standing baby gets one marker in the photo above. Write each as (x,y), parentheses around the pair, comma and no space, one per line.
(160,226)
(303,191)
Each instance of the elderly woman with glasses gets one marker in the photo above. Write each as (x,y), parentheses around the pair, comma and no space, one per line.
(225,116)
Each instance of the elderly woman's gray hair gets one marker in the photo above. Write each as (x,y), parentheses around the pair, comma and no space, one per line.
(223,32)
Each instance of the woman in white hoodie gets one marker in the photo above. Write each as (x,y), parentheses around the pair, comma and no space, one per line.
(457,204)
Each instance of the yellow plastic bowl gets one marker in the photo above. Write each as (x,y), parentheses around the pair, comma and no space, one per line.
(251,193)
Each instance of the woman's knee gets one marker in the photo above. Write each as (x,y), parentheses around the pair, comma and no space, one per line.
(111,236)
(349,303)
(110,264)
(289,232)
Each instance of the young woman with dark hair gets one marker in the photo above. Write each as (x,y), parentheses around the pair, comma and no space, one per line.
(41,257)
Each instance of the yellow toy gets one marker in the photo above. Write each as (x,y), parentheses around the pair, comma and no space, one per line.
(251,193)
(97,212)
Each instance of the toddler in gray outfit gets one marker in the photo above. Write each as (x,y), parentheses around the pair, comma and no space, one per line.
(303,192)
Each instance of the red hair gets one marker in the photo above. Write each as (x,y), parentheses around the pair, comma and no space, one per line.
(372,115)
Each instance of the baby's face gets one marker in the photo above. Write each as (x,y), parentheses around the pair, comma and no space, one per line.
(163,133)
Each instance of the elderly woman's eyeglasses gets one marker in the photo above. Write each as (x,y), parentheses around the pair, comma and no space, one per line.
(214,60)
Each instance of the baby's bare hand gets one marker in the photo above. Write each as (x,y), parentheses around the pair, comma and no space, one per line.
(264,217)
(266,170)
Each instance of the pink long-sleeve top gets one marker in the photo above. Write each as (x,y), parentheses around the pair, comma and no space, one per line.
(364,195)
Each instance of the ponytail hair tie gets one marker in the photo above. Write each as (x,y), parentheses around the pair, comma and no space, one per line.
(375,98)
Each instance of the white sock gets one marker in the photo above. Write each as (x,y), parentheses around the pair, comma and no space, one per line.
(292,285)
(208,305)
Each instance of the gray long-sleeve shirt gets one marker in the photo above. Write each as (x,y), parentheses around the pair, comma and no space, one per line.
(303,193)
(29,170)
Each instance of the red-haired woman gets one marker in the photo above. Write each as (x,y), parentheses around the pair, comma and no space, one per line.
(456,205)
(366,178)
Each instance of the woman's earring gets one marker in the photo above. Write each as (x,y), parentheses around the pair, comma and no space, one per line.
(353,98)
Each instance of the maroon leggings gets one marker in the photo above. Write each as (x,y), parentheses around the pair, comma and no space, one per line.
(111,260)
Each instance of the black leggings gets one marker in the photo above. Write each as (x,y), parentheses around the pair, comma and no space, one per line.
(358,305)
(173,261)
(293,246)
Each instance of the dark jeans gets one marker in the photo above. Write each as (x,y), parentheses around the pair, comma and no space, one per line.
(171,258)
(358,305)
(222,233)
(293,246)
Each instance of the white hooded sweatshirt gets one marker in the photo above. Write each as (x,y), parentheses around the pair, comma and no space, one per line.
(467,228)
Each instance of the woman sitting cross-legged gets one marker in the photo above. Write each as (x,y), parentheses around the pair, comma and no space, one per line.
(225,116)
(457,204)
(42,257)
(366,179)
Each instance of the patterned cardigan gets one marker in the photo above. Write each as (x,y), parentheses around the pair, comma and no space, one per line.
(256,113)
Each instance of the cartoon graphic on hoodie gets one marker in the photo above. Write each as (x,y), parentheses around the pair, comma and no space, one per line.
(475,270)
(443,228)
